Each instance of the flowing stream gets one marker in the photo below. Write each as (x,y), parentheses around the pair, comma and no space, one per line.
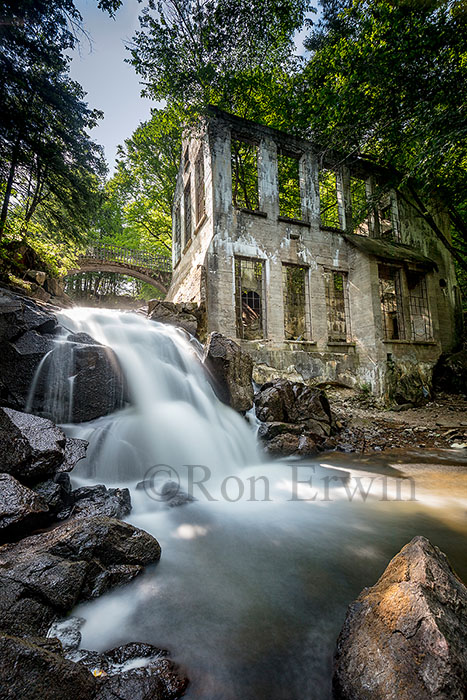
(256,573)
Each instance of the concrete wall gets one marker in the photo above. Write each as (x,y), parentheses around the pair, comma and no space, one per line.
(366,358)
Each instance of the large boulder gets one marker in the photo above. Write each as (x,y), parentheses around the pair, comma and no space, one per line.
(33,448)
(406,637)
(295,418)
(230,370)
(30,670)
(26,335)
(293,402)
(21,509)
(45,575)
(98,387)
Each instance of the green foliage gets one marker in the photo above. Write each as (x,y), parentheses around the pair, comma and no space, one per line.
(289,187)
(244,161)
(49,167)
(219,52)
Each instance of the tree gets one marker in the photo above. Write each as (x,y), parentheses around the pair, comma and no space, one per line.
(388,81)
(200,52)
(49,167)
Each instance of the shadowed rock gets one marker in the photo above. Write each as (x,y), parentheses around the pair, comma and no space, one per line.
(21,510)
(89,501)
(33,448)
(406,637)
(231,371)
(45,575)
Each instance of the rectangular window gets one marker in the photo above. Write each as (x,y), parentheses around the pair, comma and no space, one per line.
(177,234)
(199,186)
(328,204)
(360,208)
(296,321)
(249,298)
(420,318)
(244,158)
(289,187)
(385,224)
(336,302)
(187,212)
(392,309)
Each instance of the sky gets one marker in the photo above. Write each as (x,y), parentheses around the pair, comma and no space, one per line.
(111,85)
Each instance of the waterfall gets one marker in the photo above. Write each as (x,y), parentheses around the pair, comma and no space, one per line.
(174,417)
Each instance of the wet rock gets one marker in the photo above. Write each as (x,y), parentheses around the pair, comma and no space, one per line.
(56,493)
(134,671)
(45,575)
(18,363)
(30,671)
(285,439)
(450,374)
(98,386)
(33,448)
(89,501)
(182,315)
(173,495)
(231,371)
(67,631)
(406,637)
(21,510)
(293,402)
(18,315)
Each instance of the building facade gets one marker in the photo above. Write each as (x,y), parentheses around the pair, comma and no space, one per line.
(320,271)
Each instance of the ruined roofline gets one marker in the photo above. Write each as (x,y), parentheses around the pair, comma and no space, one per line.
(296,145)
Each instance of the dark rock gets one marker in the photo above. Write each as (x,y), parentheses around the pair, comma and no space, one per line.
(231,371)
(21,510)
(45,575)
(89,501)
(155,678)
(33,448)
(98,384)
(56,493)
(18,363)
(30,671)
(18,315)
(450,374)
(292,402)
(406,637)
(183,315)
(285,439)
(173,495)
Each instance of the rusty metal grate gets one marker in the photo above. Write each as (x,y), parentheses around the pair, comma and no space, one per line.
(336,303)
(392,309)
(296,317)
(249,298)
(420,317)
(199,186)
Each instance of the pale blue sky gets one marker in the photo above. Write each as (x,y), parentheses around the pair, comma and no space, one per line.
(111,84)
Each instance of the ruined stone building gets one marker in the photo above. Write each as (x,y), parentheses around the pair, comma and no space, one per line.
(321,272)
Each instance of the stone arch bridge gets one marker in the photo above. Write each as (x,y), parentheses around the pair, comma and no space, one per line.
(148,267)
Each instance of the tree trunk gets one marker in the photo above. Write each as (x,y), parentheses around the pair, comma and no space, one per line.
(9,187)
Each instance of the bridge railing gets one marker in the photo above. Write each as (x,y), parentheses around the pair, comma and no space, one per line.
(128,256)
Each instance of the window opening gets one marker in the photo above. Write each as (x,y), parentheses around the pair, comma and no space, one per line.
(420,318)
(386,228)
(295,311)
(177,233)
(187,212)
(244,158)
(199,186)
(249,298)
(289,187)
(336,302)
(328,204)
(391,302)
(359,204)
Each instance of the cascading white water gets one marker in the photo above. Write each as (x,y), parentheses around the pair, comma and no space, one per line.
(174,418)
(249,596)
